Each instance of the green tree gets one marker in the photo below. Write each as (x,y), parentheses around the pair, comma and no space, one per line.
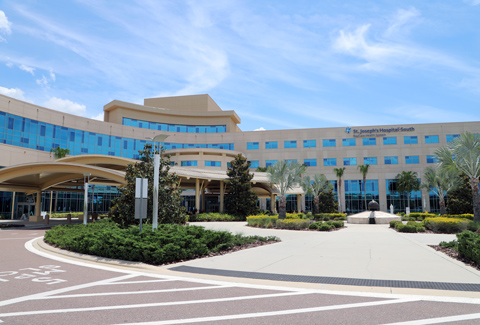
(59,152)
(262,169)
(440,181)
(364,172)
(460,200)
(315,187)
(240,200)
(326,202)
(463,154)
(169,207)
(285,175)
(406,183)
(339,173)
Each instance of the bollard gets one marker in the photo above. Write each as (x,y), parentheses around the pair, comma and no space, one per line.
(47,219)
(69,218)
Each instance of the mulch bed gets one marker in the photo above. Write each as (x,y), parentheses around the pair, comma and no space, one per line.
(454,254)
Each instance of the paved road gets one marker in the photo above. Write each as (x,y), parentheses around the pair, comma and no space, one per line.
(55,289)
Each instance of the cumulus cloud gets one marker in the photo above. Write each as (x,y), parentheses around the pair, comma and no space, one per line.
(12,92)
(42,82)
(98,117)
(260,129)
(65,105)
(27,69)
(4,23)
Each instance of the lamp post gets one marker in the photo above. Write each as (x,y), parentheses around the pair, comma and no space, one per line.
(156,171)
(86,178)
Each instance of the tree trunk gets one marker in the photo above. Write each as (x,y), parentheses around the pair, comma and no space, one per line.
(282,207)
(443,209)
(316,203)
(365,192)
(339,195)
(476,199)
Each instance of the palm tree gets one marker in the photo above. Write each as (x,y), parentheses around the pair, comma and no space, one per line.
(284,175)
(315,187)
(463,154)
(440,181)
(364,172)
(59,152)
(339,173)
(406,183)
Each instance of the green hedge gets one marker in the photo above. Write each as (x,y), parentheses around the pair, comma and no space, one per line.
(296,224)
(420,216)
(329,216)
(463,216)
(262,221)
(213,217)
(411,226)
(469,246)
(169,243)
(446,225)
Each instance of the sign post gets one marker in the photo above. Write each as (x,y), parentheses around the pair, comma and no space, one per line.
(141,198)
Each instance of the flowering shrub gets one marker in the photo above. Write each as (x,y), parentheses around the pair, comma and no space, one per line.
(292,223)
(446,225)
(421,216)
(330,216)
(262,221)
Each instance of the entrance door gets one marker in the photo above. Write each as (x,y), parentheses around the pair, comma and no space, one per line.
(25,209)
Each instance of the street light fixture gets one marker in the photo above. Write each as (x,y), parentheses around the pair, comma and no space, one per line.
(86,178)
(156,171)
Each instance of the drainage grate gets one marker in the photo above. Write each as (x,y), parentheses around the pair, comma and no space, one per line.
(332,280)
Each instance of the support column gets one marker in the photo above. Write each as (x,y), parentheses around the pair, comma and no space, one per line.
(13,205)
(222,196)
(197,195)
(51,198)
(299,203)
(273,206)
(38,207)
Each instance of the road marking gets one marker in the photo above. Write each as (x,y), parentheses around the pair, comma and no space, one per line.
(279,312)
(439,320)
(135,282)
(135,292)
(158,304)
(14,238)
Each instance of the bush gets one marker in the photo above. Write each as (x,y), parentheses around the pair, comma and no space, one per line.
(464,216)
(336,224)
(329,216)
(446,225)
(296,216)
(216,217)
(451,244)
(421,216)
(292,223)
(314,225)
(408,218)
(169,243)
(325,227)
(393,224)
(261,221)
(469,246)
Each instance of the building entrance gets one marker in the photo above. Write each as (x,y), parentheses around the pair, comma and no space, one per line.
(25,209)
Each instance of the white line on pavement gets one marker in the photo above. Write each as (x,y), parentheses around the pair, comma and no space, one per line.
(279,312)
(159,304)
(135,282)
(437,320)
(135,292)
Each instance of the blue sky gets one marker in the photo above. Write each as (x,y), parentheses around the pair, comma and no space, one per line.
(278,64)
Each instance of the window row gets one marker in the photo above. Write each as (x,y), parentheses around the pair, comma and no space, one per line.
(393,160)
(174,127)
(350,142)
(193,163)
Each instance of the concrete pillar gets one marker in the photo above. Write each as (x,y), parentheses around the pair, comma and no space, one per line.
(273,206)
(299,203)
(38,207)
(13,205)
(197,194)
(222,195)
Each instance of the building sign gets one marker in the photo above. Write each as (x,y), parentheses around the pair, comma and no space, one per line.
(377,132)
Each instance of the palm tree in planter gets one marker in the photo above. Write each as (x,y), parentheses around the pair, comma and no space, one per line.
(284,175)
(364,172)
(339,173)
(315,187)
(440,181)
(406,183)
(59,152)
(463,154)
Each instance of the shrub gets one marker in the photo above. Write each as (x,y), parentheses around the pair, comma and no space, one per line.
(393,224)
(295,216)
(325,227)
(329,216)
(464,216)
(216,217)
(469,246)
(421,216)
(292,223)
(336,224)
(451,244)
(261,220)
(446,225)
(314,225)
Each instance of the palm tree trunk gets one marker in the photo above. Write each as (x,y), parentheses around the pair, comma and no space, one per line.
(365,192)
(316,203)
(282,207)
(339,195)
(443,209)
(476,199)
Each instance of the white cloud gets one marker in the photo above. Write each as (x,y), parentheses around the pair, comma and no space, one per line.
(9,64)
(12,92)
(4,23)
(27,69)
(98,117)
(402,22)
(42,82)
(65,105)
(52,75)
(260,129)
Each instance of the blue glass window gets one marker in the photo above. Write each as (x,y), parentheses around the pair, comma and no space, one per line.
(271,145)
(329,143)
(432,159)
(254,164)
(290,144)
(291,160)
(370,160)
(348,142)
(451,137)
(188,163)
(349,161)
(330,162)
(175,127)
(310,162)
(390,140)
(252,145)
(212,163)
(369,141)
(270,162)
(410,140)
(309,143)
(412,160)
(391,160)
(431,139)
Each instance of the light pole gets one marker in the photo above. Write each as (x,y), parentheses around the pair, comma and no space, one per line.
(156,171)
(86,178)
